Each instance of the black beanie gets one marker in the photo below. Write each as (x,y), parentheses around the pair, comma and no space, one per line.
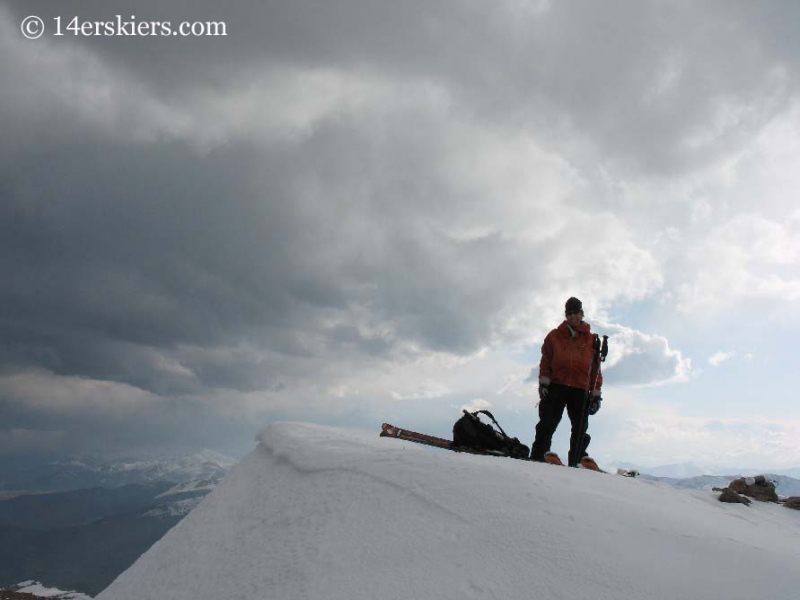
(573,305)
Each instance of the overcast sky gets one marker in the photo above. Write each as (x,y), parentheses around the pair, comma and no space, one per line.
(360,211)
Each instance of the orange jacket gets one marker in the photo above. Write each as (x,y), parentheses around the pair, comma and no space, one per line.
(568,360)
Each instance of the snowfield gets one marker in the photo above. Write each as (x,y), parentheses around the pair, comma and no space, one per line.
(335,514)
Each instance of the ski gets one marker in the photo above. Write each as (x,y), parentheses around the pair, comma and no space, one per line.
(388,430)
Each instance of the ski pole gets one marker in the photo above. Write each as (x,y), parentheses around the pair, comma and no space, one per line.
(600,353)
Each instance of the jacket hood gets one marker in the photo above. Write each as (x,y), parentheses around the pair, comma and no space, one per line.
(584,327)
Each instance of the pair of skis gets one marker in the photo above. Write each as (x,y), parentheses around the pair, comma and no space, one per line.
(388,430)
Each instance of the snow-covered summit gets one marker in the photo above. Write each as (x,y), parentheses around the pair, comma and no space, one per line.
(323,513)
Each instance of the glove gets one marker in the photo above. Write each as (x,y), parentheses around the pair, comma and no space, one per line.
(594,404)
(543,391)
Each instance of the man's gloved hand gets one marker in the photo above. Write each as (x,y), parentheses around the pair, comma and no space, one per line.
(543,391)
(594,404)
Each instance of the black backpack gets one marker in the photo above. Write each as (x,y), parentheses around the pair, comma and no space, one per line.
(470,432)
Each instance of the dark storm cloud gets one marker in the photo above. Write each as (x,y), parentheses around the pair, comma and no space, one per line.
(117,252)
(109,245)
(657,86)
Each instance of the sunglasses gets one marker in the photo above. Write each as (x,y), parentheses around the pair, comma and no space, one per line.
(574,312)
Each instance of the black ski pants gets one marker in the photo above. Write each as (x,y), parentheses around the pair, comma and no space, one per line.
(551,409)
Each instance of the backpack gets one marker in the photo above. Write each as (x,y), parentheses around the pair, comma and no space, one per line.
(470,432)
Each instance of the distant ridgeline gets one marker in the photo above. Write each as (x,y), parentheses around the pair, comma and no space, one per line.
(83,539)
(785,486)
(65,476)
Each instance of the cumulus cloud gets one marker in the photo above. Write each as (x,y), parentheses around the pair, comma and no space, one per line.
(642,359)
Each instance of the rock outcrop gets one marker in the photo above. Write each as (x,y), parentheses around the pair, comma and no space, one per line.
(732,497)
(742,489)
(793,502)
(758,488)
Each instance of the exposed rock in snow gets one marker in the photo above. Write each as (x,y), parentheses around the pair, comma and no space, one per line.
(36,589)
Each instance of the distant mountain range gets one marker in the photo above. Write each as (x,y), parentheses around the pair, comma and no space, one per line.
(82,539)
(784,486)
(690,469)
(77,474)
(692,476)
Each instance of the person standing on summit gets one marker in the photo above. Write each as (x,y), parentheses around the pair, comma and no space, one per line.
(568,353)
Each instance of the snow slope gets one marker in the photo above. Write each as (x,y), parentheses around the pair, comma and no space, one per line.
(323,513)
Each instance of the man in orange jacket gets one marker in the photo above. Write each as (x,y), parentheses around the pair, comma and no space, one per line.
(564,377)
